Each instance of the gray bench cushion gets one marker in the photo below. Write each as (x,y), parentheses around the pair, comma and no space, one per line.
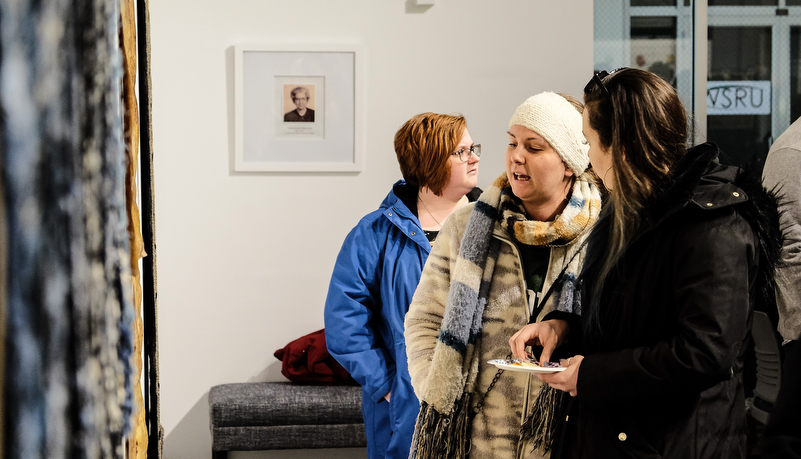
(260,416)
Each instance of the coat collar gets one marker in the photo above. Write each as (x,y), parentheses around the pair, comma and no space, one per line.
(697,179)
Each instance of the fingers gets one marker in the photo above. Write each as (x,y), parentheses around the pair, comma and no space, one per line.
(519,351)
(545,356)
(515,345)
(566,381)
(525,336)
(558,381)
(547,334)
(549,343)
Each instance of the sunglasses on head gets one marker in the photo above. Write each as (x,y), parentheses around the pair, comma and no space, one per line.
(597,80)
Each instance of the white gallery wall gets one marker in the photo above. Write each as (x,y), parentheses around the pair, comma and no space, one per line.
(244,259)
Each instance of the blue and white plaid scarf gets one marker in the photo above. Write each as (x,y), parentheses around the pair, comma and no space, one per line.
(442,429)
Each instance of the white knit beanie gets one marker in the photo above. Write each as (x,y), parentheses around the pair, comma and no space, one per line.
(557,121)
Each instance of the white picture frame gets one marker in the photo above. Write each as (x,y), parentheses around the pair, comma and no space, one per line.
(274,84)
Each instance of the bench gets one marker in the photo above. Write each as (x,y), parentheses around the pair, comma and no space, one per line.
(282,415)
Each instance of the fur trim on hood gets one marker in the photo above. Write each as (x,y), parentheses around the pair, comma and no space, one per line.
(699,178)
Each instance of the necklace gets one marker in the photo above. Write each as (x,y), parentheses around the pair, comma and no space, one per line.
(429,212)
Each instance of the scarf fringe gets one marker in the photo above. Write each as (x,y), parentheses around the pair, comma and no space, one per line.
(440,436)
(540,425)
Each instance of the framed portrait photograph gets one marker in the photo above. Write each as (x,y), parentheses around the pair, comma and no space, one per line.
(297,108)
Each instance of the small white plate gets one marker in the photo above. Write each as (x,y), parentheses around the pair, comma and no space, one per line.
(526,367)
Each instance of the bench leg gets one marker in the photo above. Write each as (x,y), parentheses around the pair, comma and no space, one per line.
(219,455)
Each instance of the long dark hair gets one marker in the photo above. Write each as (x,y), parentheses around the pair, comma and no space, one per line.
(641,122)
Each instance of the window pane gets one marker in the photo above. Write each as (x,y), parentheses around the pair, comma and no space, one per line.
(743,2)
(653,45)
(653,2)
(738,96)
(663,45)
(795,73)
(793,2)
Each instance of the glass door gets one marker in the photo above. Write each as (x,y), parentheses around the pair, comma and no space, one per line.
(749,72)
(753,74)
(795,71)
(739,109)
(654,35)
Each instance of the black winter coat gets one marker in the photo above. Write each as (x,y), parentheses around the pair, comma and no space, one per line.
(663,369)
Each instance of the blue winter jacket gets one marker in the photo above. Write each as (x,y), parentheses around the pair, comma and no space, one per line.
(374,279)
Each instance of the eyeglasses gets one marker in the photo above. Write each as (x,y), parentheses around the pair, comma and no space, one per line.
(464,153)
(597,80)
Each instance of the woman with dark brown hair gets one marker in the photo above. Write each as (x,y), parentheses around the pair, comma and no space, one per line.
(679,258)
(379,266)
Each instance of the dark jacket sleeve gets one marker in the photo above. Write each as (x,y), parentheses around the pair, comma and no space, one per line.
(711,267)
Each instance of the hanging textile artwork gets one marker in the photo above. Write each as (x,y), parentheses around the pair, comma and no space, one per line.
(68,348)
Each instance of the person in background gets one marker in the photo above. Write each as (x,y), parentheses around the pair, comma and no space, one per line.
(782,172)
(379,266)
(300,97)
(496,267)
(680,257)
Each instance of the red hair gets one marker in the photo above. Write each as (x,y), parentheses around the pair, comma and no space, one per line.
(424,146)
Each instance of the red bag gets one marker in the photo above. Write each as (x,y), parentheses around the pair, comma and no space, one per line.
(307,361)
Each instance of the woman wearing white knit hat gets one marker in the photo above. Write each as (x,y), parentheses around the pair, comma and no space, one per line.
(498,264)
